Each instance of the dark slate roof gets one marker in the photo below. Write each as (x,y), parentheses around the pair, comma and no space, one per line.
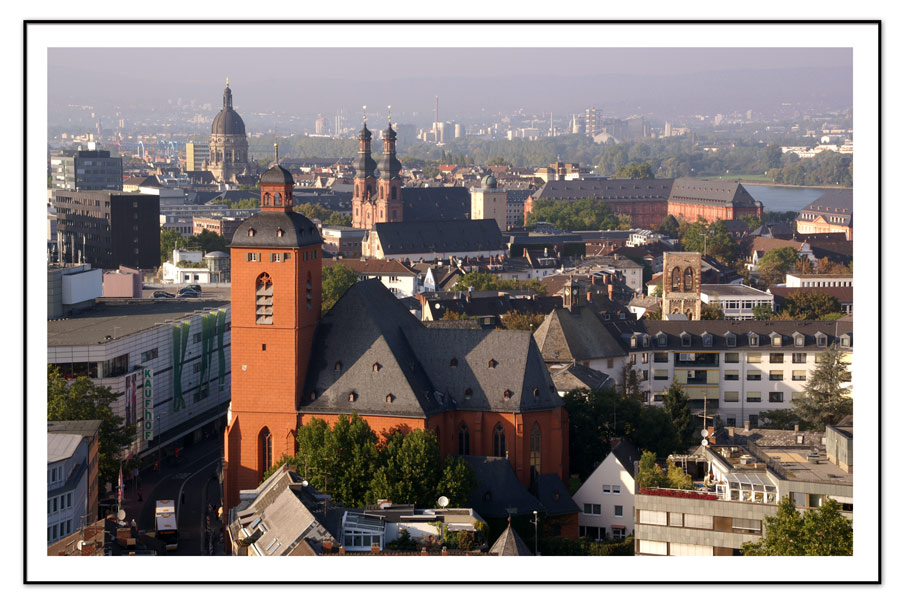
(554,495)
(297,231)
(627,454)
(573,336)
(439,236)
(369,325)
(228,122)
(616,189)
(832,201)
(741,329)
(712,192)
(436,203)
(576,376)
(498,489)
(89,428)
(775,230)
(277,175)
(509,544)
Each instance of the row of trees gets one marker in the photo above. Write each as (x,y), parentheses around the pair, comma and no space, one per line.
(171,239)
(827,167)
(403,466)
(485,281)
(803,305)
(584,214)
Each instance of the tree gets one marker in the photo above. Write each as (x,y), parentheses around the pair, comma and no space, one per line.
(676,403)
(457,481)
(655,431)
(710,312)
(772,154)
(827,266)
(314,211)
(677,478)
(452,315)
(208,241)
(650,474)
(816,532)
(521,321)
(485,281)
(635,170)
(249,203)
(810,305)
(631,384)
(583,214)
(762,312)
(712,239)
(776,263)
(825,399)
(169,240)
(83,400)
(782,419)
(669,227)
(336,280)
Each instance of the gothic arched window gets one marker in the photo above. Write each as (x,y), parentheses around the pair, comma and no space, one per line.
(688,279)
(535,460)
(264,306)
(267,199)
(499,441)
(463,439)
(277,198)
(676,279)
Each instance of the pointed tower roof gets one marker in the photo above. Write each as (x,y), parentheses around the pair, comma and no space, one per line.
(509,544)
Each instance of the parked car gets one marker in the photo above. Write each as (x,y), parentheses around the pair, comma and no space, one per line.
(163,294)
(196,288)
(188,293)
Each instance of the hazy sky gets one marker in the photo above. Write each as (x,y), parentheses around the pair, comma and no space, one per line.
(310,80)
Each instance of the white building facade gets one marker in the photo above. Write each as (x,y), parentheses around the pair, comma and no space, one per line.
(68,488)
(606,498)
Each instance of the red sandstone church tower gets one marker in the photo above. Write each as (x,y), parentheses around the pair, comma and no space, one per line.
(377,200)
(276,301)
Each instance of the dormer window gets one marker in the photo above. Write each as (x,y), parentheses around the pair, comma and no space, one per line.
(776,339)
(753,339)
(845,341)
(634,341)
(389,398)
(646,340)
(376,367)
(537,392)
(279,233)
(661,339)
(507,394)
(730,339)
(454,363)
(492,363)
(821,340)
(468,393)
(251,232)
(799,340)
(707,339)
(685,340)
(353,396)
(337,366)
(312,395)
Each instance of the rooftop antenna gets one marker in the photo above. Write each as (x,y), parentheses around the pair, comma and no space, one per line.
(276,153)
(389,115)
(226,81)
(364,114)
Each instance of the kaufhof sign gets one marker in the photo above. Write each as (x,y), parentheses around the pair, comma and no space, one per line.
(148,404)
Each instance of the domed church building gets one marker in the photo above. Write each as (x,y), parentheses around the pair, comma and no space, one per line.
(228,143)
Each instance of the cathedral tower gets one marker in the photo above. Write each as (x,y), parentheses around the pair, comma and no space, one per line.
(228,142)
(681,284)
(390,202)
(364,183)
(276,302)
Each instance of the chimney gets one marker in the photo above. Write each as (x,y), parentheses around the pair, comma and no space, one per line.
(730,431)
(746,425)
(341,551)
(326,546)
(444,552)
(796,426)
(424,552)
(609,289)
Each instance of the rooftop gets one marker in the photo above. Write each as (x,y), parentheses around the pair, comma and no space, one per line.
(117,319)
(731,291)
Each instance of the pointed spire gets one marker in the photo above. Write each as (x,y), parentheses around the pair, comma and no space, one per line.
(364,115)
(276,154)
(389,116)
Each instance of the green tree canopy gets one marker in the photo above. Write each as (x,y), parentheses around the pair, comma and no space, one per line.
(583,214)
(522,321)
(817,532)
(762,312)
(314,211)
(485,281)
(336,279)
(83,400)
(714,238)
(826,399)
(776,263)
(635,169)
(676,404)
(711,312)
(669,227)
(808,304)
(650,474)
(782,419)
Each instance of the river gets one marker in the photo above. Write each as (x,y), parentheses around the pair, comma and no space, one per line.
(784,198)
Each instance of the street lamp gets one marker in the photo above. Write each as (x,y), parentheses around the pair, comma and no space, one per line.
(535,522)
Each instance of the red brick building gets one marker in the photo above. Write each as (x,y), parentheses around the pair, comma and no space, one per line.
(484,393)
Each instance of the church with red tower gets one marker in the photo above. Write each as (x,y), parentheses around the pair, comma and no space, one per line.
(378,199)
(486,394)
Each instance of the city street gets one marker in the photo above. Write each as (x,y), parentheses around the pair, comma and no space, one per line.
(191,482)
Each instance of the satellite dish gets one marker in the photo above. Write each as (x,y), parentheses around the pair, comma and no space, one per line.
(705,442)
(121,515)
(304,483)
(443,502)
(704,433)
(80,545)
(437,306)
